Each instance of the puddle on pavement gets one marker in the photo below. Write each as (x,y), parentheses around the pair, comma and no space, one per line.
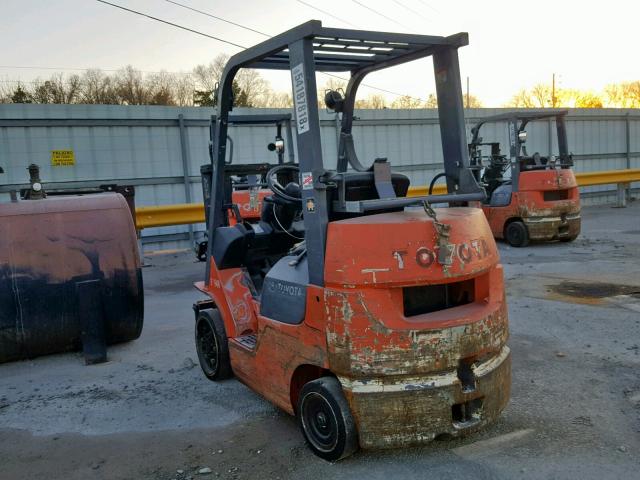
(592,293)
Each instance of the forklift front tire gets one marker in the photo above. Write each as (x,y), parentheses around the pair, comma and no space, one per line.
(325,419)
(516,234)
(212,345)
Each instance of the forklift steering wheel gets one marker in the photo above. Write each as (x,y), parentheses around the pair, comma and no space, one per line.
(284,193)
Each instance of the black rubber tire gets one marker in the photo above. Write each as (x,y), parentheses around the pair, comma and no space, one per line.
(325,419)
(516,234)
(212,345)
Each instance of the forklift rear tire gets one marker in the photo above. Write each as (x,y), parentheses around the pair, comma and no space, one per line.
(325,419)
(516,234)
(212,345)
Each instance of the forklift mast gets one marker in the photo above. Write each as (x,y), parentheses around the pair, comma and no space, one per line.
(310,48)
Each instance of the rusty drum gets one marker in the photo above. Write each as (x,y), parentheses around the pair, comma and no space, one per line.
(47,249)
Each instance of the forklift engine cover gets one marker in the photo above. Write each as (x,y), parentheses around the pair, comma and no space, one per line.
(50,246)
(419,347)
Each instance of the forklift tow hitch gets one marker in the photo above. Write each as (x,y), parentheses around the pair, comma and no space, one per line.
(442,236)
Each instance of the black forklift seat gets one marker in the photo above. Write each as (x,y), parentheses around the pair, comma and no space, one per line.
(358,186)
(230,245)
(362,186)
(534,162)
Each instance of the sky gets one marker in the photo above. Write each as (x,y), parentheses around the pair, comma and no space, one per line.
(512,44)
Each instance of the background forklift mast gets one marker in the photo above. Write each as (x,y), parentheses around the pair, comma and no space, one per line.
(375,319)
(539,198)
(519,160)
(246,182)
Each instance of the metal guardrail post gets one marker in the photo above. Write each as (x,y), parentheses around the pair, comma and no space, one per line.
(627,191)
(184,149)
(623,188)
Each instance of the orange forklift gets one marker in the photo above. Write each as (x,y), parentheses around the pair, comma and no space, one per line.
(529,197)
(375,319)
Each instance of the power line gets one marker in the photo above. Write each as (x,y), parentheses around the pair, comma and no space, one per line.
(415,12)
(323,73)
(380,14)
(429,6)
(217,18)
(171,23)
(327,13)
(243,47)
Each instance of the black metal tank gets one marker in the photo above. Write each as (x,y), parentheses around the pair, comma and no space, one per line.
(49,246)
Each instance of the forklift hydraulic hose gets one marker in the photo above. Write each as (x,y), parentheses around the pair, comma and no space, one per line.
(434,180)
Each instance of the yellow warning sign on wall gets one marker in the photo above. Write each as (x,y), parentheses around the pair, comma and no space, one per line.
(62,158)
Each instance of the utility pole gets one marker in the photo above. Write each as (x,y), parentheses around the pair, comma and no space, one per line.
(553,91)
(467,92)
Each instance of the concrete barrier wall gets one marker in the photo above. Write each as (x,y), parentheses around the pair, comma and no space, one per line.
(160,149)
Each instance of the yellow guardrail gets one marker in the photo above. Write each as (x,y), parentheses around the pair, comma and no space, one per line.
(586,179)
(186,213)
(166,215)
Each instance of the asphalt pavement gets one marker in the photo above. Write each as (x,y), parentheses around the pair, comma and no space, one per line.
(149,413)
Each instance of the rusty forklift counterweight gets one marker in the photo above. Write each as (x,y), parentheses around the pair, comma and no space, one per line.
(375,319)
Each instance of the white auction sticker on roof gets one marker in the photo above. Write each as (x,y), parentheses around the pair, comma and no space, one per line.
(307,181)
(300,98)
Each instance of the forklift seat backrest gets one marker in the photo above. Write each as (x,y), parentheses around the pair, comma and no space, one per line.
(230,245)
(362,186)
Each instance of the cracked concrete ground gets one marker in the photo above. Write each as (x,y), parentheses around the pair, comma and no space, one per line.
(149,412)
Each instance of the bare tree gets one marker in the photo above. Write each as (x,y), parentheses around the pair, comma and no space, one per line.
(250,88)
(98,88)
(588,100)
(160,88)
(474,102)
(254,86)
(207,76)
(631,93)
(183,90)
(542,95)
(431,101)
(372,101)
(131,87)
(56,89)
(522,99)
(5,91)
(406,101)
(279,100)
